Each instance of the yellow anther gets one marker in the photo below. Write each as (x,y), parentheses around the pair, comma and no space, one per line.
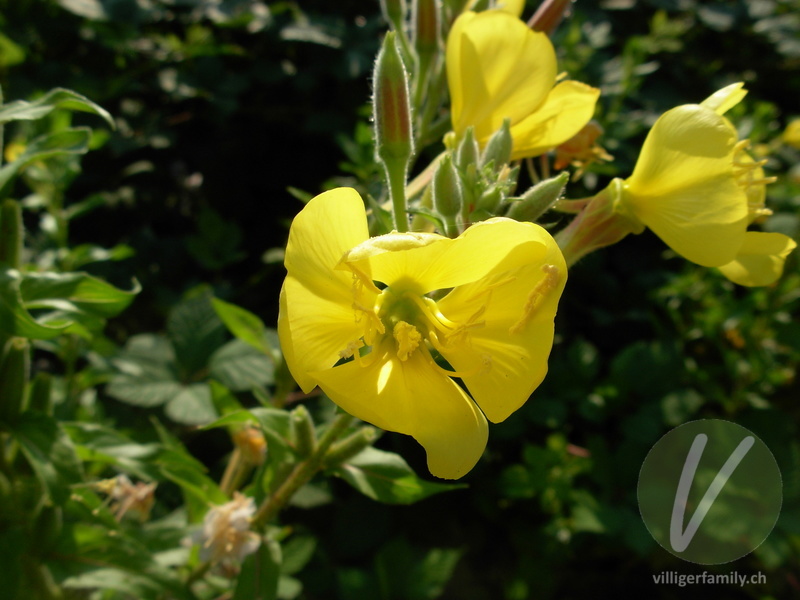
(548,283)
(407,337)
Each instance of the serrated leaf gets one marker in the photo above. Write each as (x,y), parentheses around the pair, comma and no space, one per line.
(243,324)
(386,477)
(50,452)
(240,367)
(192,406)
(15,320)
(22,110)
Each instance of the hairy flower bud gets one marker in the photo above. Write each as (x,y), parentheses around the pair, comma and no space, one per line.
(499,147)
(393,138)
(537,200)
(446,188)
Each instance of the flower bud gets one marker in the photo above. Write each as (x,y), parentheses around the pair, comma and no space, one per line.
(14,365)
(498,148)
(305,438)
(393,138)
(468,152)
(252,444)
(447,194)
(11,233)
(39,396)
(425,18)
(537,200)
(347,448)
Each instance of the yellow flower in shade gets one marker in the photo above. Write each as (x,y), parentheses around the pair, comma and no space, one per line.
(791,136)
(695,187)
(370,321)
(498,68)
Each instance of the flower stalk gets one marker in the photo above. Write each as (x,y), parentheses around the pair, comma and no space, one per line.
(302,473)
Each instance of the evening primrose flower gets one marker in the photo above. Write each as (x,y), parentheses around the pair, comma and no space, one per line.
(498,68)
(370,321)
(696,187)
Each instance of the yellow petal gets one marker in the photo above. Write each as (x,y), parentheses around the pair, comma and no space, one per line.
(791,136)
(412,397)
(315,330)
(760,260)
(327,227)
(683,186)
(423,262)
(723,100)
(568,107)
(497,68)
(316,320)
(512,7)
(518,303)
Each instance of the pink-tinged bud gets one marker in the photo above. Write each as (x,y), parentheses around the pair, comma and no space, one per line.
(393,139)
(425,17)
(549,15)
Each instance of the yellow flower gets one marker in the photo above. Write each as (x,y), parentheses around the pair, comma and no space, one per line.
(791,136)
(365,319)
(498,68)
(696,188)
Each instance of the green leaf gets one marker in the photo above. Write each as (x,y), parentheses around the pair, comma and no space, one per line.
(79,292)
(243,324)
(147,374)
(22,110)
(10,53)
(199,490)
(15,320)
(386,477)
(258,579)
(240,367)
(192,406)
(50,452)
(196,332)
(105,445)
(68,141)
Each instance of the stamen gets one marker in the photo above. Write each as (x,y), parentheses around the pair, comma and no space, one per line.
(437,318)
(544,287)
(407,337)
